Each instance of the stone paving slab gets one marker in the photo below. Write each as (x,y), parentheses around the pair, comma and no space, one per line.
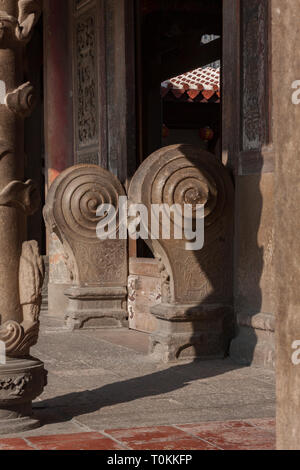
(97,382)
(234,435)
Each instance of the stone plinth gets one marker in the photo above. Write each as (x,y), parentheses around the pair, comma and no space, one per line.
(189,331)
(89,307)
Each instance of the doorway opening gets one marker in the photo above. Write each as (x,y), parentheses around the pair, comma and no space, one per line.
(179,55)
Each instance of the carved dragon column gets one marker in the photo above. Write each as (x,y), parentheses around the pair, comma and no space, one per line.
(195,317)
(22,378)
(98,268)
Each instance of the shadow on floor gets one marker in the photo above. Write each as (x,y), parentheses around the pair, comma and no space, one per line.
(66,407)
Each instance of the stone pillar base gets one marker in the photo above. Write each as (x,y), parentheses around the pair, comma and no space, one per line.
(191,331)
(21,381)
(255,342)
(96,307)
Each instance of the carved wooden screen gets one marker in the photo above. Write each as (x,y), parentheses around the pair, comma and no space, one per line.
(246,98)
(89,81)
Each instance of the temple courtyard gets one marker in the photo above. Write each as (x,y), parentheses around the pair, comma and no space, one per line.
(105,392)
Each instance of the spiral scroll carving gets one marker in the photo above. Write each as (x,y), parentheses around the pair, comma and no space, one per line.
(75,198)
(11,333)
(18,338)
(182,175)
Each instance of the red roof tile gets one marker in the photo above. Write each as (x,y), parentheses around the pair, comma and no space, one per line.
(201,85)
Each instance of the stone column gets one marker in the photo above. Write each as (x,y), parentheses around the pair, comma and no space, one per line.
(286,116)
(22,378)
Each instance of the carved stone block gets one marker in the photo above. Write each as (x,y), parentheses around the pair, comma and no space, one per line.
(21,381)
(144,291)
(98,268)
(195,317)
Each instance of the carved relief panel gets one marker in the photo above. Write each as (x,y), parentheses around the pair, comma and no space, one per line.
(254,74)
(89,86)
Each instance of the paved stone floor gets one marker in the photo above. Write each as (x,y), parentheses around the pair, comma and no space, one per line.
(104,380)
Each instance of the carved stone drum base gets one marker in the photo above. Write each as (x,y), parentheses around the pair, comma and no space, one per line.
(21,381)
(96,307)
(191,331)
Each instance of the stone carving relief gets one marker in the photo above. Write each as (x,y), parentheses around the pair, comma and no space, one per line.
(185,175)
(19,28)
(194,292)
(22,100)
(71,213)
(18,338)
(88,159)
(80,3)
(87,128)
(15,386)
(29,12)
(255,71)
(24,196)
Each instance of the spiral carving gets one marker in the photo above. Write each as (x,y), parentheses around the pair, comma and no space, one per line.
(75,197)
(11,333)
(18,338)
(182,175)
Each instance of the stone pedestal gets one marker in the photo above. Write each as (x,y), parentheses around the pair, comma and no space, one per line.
(195,318)
(89,307)
(191,331)
(21,381)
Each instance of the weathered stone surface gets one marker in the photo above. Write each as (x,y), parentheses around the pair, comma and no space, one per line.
(144,292)
(21,267)
(254,271)
(21,381)
(195,315)
(97,268)
(286,115)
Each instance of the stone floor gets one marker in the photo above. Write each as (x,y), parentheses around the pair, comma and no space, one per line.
(104,380)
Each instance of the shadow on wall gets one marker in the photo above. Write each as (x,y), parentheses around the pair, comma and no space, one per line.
(231,266)
(201,290)
(249,344)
